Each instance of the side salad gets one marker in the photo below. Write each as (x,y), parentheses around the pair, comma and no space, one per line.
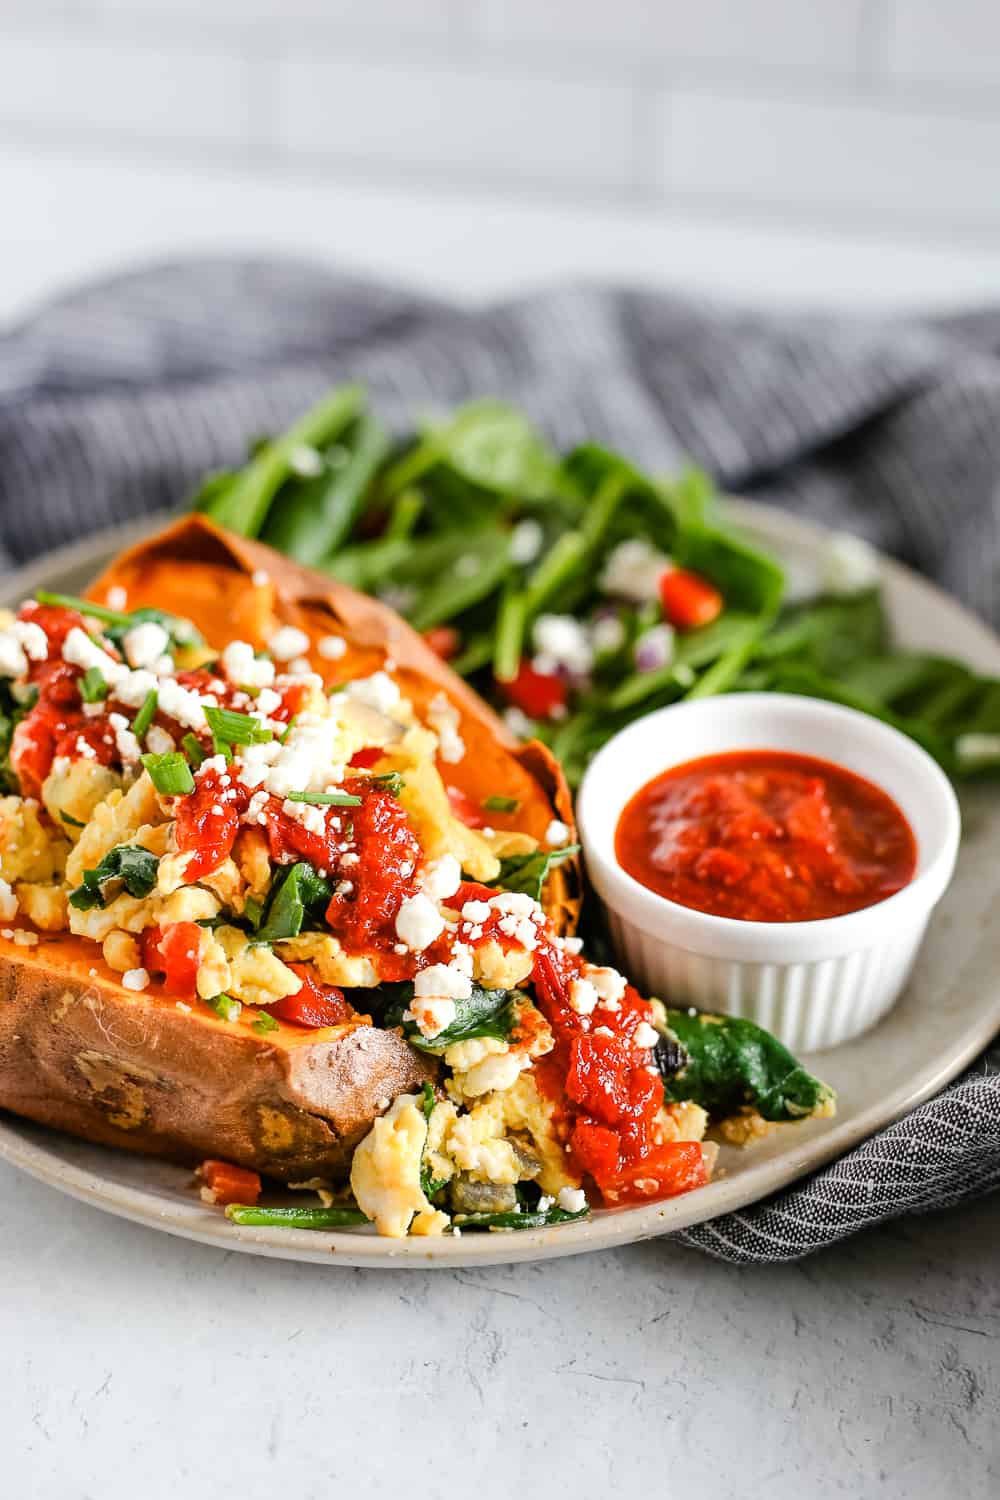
(577,592)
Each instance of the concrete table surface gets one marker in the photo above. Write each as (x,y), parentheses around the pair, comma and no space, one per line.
(138,1365)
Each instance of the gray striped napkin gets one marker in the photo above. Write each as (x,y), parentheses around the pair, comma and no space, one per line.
(116,399)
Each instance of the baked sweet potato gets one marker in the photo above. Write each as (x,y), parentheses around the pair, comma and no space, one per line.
(144,1070)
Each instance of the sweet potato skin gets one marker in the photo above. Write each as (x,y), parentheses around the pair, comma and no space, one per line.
(134,1070)
(82,1054)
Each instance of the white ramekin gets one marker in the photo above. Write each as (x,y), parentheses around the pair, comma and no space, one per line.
(813,984)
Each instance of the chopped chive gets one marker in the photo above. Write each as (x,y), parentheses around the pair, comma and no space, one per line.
(169,773)
(84,607)
(501,804)
(191,744)
(287,730)
(72,822)
(225,1006)
(295,1218)
(93,687)
(326,799)
(263,1024)
(236,728)
(145,716)
(390,781)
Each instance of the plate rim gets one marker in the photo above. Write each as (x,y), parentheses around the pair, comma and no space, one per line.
(605,1229)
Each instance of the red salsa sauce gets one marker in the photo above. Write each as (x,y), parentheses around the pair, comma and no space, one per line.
(766,836)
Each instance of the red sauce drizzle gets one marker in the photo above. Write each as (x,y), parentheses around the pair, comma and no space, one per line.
(766,836)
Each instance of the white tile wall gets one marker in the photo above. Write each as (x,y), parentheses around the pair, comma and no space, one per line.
(467,119)
(881,115)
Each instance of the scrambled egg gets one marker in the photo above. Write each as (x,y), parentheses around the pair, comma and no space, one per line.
(385,1172)
(28,850)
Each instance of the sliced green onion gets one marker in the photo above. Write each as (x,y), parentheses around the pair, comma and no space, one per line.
(85,607)
(146,714)
(225,1006)
(223,748)
(93,687)
(287,731)
(326,799)
(263,1024)
(236,728)
(295,1218)
(192,747)
(169,773)
(389,781)
(501,804)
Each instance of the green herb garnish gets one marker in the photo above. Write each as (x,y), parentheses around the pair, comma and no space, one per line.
(501,804)
(146,714)
(232,728)
(263,1024)
(301,892)
(93,688)
(528,872)
(169,773)
(225,1006)
(192,748)
(128,867)
(295,1218)
(70,821)
(325,799)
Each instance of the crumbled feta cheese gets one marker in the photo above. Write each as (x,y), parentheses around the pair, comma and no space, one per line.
(287,643)
(645,1035)
(117,597)
(8,902)
(267,701)
(572,1200)
(13,661)
(442,981)
(432,1014)
(125,741)
(633,571)
(32,638)
(557,834)
(518,723)
(331,647)
(582,996)
(526,542)
(518,902)
(444,719)
(145,643)
(133,688)
(81,651)
(159,741)
(607,634)
(442,877)
(476,911)
(181,703)
(135,979)
(419,922)
(378,691)
(25,939)
(609,984)
(850,565)
(245,669)
(562,641)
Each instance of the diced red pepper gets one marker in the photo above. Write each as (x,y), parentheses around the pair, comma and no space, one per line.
(538,694)
(313,1005)
(444,641)
(230,1184)
(595,1149)
(363,760)
(663,1172)
(688,600)
(470,890)
(173,951)
(465,809)
(598,1077)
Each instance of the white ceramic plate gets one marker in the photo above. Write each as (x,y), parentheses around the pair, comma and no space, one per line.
(948,1014)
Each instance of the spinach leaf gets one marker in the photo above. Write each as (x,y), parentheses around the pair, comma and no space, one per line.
(317,515)
(428,1185)
(485,1013)
(300,894)
(128,866)
(730,1063)
(488,444)
(528,872)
